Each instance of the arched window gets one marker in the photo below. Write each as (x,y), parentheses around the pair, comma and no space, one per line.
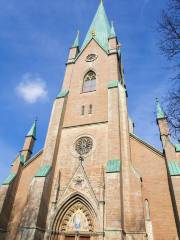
(147,210)
(149,228)
(82,110)
(90,109)
(89,82)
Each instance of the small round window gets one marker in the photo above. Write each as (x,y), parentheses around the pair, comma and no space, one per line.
(83,145)
(91,57)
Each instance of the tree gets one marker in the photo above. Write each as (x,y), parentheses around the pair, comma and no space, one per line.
(169,28)
(173,111)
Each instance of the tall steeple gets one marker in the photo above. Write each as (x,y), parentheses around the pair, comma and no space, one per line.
(99,29)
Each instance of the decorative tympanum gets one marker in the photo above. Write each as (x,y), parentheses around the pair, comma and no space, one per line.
(77,218)
(83,145)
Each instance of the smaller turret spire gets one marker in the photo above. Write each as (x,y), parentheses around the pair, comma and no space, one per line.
(159,111)
(112,34)
(76,42)
(30,139)
(32,131)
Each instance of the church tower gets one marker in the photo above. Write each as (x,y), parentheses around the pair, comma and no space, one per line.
(94,179)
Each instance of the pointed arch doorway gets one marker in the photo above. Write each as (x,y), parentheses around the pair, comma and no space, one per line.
(77,237)
(74,221)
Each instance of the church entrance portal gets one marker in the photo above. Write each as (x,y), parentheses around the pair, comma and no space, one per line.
(77,238)
(76,222)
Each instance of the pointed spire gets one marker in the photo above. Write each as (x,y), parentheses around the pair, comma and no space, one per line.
(32,131)
(100,29)
(76,42)
(159,111)
(112,34)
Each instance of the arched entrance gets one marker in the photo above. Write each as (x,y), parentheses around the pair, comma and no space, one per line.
(75,220)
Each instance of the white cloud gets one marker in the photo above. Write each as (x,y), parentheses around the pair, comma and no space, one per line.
(32,88)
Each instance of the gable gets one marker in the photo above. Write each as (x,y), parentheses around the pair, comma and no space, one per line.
(145,144)
(92,45)
(79,183)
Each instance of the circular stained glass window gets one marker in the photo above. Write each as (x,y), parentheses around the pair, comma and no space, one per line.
(84,145)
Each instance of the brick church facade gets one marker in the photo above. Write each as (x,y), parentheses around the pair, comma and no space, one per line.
(94,179)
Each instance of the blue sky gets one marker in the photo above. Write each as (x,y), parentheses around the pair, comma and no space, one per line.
(34,42)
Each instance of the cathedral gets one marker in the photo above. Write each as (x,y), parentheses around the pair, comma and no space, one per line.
(94,179)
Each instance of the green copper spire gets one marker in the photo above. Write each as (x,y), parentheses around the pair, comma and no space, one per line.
(76,42)
(32,131)
(99,30)
(112,34)
(160,113)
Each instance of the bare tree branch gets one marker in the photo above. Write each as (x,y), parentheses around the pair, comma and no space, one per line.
(169,29)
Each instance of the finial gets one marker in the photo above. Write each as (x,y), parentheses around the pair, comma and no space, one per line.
(36,119)
(81,159)
(93,33)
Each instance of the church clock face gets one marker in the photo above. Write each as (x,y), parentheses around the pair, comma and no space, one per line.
(83,145)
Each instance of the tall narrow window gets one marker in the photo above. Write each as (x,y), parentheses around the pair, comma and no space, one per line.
(89,82)
(90,109)
(147,210)
(82,110)
(148,222)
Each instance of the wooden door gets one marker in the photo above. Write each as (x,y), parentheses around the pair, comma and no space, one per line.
(84,238)
(70,238)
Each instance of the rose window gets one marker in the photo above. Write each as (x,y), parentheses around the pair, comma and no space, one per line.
(83,145)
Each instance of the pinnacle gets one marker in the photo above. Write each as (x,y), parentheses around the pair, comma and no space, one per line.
(76,41)
(112,34)
(159,111)
(32,131)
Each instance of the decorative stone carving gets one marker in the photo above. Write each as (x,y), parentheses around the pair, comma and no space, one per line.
(91,57)
(83,145)
(78,181)
(81,184)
